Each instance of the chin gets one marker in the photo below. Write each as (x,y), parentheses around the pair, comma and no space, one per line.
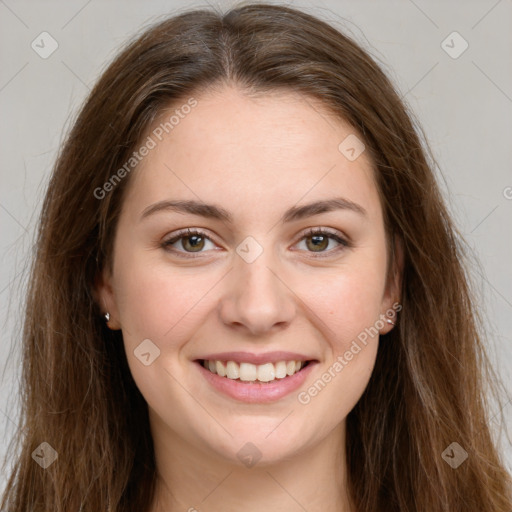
(262,446)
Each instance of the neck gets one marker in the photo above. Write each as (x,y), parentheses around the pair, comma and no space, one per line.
(192,479)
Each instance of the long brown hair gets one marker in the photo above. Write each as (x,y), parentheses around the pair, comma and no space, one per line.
(428,388)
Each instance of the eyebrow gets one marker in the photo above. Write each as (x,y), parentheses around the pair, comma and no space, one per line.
(212,211)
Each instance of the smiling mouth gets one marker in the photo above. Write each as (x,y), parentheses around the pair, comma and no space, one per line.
(254,373)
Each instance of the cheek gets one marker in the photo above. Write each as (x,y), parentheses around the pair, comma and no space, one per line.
(346,307)
(158,303)
(165,306)
(347,302)
(348,316)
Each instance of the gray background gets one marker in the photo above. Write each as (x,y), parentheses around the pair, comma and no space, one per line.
(464,105)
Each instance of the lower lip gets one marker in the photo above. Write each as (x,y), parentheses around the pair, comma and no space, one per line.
(257,392)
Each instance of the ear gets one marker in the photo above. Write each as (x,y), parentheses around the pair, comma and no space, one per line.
(106,299)
(391,299)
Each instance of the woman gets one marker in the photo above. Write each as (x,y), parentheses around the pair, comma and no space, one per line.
(247,291)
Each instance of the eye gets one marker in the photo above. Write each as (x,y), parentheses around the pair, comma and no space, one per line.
(317,240)
(190,241)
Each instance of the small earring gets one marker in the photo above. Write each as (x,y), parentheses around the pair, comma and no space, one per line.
(107,317)
(389,321)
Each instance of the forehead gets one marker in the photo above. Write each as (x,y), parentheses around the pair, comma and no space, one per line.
(266,152)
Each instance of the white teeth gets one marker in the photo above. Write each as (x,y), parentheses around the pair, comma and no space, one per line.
(232,370)
(248,372)
(280,369)
(266,372)
(221,369)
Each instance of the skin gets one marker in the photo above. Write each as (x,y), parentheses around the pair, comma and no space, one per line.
(255,157)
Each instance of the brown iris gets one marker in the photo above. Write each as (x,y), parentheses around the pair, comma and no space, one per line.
(318,242)
(192,243)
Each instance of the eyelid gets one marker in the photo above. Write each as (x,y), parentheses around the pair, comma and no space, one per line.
(323,230)
(188,231)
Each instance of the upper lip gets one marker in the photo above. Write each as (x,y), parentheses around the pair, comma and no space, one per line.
(249,357)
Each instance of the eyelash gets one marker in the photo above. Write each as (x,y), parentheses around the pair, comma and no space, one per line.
(185,233)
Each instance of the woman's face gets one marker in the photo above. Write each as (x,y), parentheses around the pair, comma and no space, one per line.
(258,290)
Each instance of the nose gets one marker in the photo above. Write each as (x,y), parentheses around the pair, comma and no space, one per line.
(257,298)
